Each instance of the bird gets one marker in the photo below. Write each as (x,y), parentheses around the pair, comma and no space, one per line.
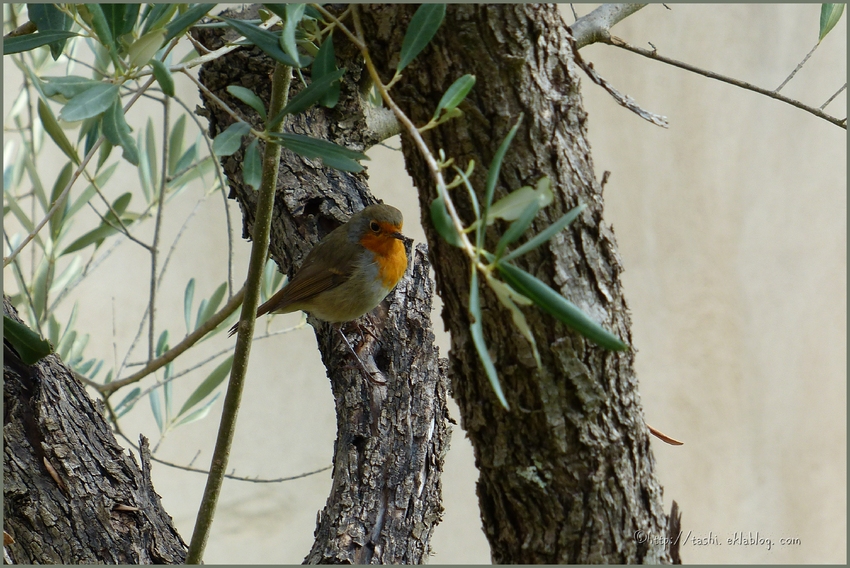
(349,272)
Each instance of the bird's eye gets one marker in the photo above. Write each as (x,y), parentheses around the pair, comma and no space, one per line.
(375,227)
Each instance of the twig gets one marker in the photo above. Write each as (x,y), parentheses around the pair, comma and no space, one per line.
(156,231)
(188,341)
(626,100)
(800,66)
(830,99)
(120,227)
(173,247)
(227,475)
(744,85)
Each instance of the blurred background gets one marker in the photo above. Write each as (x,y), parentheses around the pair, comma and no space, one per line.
(731,225)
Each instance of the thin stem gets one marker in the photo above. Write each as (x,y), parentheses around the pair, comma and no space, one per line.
(259,251)
(711,75)
(157,229)
(227,475)
(796,69)
(832,98)
(170,355)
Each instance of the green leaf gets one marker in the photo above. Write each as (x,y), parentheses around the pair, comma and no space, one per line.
(71,272)
(29,42)
(143,49)
(43,275)
(53,328)
(90,102)
(212,305)
(162,343)
(121,18)
(29,345)
(308,96)
(186,159)
(454,95)
(332,155)
(443,222)
(163,77)
(188,298)
(200,169)
(149,163)
(61,181)
(252,165)
(294,13)
(48,18)
(35,178)
(90,129)
(117,131)
(69,87)
(325,64)
(226,143)
(248,97)
(267,41)
(496,167)
(198,414)
(518,227)
(156,408)
(546,234)
(511,206)
(209,384)
(424,24)
(20,214)
(157,16)
(550,301)
(272,279)
(175,144)
(104,153)
(477,331)
(101,27)
(127,403)
(186,20)
(509,298)
(51,126)
(830,14)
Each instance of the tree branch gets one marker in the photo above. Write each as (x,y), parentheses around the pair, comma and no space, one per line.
(617,42)
(209,325)
(596,26)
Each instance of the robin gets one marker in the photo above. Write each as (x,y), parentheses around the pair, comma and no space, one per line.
(349,272)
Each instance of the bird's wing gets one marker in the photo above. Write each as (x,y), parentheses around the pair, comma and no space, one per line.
(313,277)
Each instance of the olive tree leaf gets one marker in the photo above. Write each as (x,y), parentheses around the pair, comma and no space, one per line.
(423,25)
(31,347)
(552,302)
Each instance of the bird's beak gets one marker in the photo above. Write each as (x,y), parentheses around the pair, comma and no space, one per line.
(402,238)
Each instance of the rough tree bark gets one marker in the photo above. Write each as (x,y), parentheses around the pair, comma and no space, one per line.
(392,431)
(71,495)
(568,475)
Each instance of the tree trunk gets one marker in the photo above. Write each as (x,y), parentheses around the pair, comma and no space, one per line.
(567,476)
(71,495)
(392,432)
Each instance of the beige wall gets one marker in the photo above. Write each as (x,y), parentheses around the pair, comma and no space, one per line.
(732,229)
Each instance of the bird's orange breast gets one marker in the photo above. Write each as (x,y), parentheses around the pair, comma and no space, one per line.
(390,256)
